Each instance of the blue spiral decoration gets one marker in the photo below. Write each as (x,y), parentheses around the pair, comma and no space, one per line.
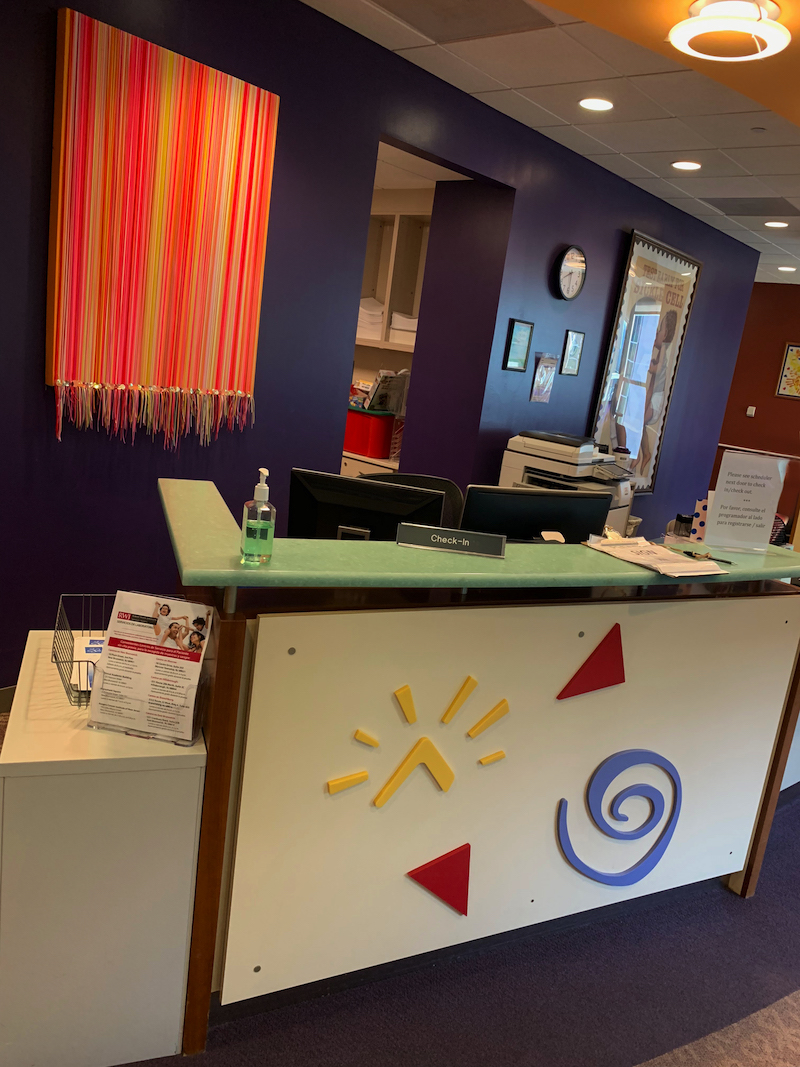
(601,779)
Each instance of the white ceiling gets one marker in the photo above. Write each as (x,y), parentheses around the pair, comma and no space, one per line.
(400,170)
(662,111)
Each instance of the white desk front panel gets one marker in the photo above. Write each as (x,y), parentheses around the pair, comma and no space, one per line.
(320,885)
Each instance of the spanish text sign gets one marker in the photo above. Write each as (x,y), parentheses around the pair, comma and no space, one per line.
(746,499)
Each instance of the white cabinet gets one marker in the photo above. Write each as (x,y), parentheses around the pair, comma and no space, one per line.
(99,846)
(353,465)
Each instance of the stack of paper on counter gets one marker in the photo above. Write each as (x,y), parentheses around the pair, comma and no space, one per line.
(656,557)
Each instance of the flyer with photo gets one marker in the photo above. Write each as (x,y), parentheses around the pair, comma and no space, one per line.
(146,678)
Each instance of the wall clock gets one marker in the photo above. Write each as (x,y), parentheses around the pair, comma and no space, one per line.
(570,272)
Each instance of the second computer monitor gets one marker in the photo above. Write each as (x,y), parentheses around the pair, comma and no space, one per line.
(356,509)
(523,514)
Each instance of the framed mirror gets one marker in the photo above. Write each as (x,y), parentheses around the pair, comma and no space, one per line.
(657,293)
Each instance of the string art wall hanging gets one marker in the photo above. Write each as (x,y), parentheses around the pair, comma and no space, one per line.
(162,169)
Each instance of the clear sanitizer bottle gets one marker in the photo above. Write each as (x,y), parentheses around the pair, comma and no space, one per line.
(258,523)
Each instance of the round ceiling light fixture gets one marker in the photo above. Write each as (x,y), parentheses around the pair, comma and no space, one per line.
(686,164)
(595,103)
(731,31)
(777,225)
(787,268)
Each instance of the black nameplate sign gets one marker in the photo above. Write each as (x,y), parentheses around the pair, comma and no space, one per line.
(443,540)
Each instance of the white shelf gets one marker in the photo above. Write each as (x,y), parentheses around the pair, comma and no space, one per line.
(392,346)
(391,464)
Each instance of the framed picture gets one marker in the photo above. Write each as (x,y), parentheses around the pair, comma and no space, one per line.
(543,377)
(573,349)
(658,289)
(789,383)
(518,345)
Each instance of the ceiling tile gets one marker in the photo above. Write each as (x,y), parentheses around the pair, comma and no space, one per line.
(742,131)
(651,135)
(750,239)
(371,21)
(389,177)
(713,187)
(540,57)
(624,56)
(756,225)
(720,222)
(714,163)
(519,108)
(656,186)
(698,208)
(577,141)
(761,207)
(416,164)
(784,184)
(686,92)
(564,101)
(784,160)
(444,20)
(559,18)
(622,166)
(777,260)
(450,68)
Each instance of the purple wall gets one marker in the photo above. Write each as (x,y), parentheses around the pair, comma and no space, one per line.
(83,515)
(464,268)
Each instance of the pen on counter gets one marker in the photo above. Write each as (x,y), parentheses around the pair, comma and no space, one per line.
(701,555)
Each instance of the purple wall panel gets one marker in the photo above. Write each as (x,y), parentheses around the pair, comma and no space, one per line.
(463,275)
(83,515)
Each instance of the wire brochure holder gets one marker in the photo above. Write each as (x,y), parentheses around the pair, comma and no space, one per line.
(81,623)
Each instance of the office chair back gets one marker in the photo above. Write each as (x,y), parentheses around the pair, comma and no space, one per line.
(453,497)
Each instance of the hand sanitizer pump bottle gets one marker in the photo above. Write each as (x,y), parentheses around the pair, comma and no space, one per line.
(258,523)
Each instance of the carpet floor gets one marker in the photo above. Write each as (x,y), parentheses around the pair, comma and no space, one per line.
(712,980)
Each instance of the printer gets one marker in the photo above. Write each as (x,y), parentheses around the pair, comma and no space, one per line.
(539,460)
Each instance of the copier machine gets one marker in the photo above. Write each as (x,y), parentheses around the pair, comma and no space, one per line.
(559,461)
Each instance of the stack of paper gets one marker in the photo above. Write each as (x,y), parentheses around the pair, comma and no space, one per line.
(656,557)
(403,330)
(370,320)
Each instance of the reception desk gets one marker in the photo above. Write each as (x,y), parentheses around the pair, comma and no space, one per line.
(412,750)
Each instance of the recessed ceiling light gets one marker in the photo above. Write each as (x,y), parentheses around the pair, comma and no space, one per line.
(731,31)
(685,273)
(594,103)
(777,225)
(686,164)
(787,268)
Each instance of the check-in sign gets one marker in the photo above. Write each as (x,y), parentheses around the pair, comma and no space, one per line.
(443,540)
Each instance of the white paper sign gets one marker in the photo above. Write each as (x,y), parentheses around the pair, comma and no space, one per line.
(147,676)
(746,500)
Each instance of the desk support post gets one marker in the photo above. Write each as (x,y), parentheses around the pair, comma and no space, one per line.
(220,732)
(744,882)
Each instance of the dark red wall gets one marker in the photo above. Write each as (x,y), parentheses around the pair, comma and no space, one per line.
(83,515)
(773,322)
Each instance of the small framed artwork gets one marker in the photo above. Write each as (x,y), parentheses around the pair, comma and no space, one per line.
(573,350)
(543,377)
(518,345)
(789,383)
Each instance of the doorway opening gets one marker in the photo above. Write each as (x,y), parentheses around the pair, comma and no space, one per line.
(391,290)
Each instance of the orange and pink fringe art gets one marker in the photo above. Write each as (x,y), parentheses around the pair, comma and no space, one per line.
(162,169)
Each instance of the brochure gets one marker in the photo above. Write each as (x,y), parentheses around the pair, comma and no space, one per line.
(146,678)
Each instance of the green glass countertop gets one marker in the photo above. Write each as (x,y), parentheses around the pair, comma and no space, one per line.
(205,538)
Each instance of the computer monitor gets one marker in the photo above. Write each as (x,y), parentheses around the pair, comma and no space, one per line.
(522,514)
(338,508)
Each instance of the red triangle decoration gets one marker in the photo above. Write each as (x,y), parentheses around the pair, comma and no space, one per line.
(603,668)
(447,877)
